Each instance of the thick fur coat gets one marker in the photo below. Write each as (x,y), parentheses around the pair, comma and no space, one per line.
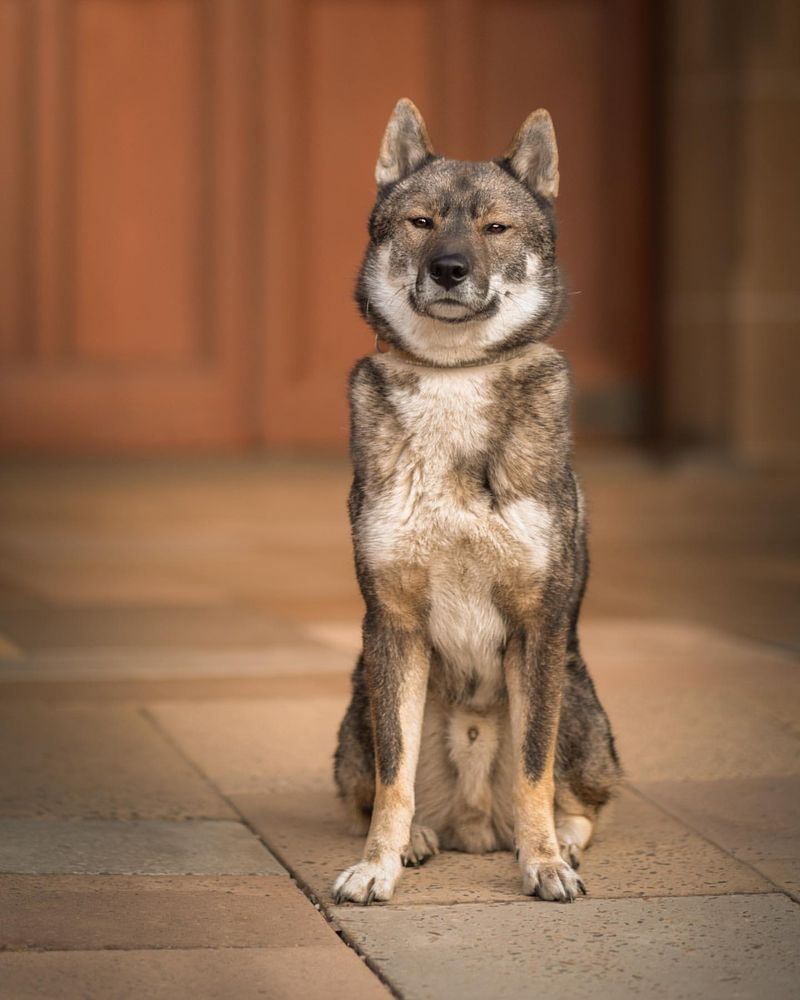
(473,724)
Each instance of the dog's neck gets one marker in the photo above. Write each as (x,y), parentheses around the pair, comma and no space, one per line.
(385,347)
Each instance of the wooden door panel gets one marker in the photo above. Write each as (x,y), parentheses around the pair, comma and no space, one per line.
(138,274)
(12,47)
(132,327)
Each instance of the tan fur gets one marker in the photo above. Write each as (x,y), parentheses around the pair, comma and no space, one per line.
(468,528)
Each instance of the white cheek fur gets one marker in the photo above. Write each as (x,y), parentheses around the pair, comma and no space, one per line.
(449,343)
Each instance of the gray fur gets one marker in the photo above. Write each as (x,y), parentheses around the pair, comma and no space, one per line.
(467,519)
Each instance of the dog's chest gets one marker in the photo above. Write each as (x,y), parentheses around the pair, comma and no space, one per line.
(434,510)
(431,496)
(445,420)
(434,501)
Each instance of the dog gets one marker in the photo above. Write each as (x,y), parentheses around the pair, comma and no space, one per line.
(473,724)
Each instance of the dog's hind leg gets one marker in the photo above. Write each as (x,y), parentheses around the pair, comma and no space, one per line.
(587,769)
(354,760)
(423,843)
(574,827)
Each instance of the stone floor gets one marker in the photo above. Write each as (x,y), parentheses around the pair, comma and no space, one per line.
(175,641)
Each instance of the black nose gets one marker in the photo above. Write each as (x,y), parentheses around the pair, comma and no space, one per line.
(450,270)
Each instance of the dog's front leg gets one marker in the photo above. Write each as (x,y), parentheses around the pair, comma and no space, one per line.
(534,666)
(397,661)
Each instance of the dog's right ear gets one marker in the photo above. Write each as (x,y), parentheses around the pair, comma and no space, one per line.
(405,144)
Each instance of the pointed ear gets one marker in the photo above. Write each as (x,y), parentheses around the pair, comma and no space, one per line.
(533,154)
(405,144)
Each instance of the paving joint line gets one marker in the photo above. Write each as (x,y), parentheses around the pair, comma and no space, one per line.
(709,840)
(321,907)
(43,950)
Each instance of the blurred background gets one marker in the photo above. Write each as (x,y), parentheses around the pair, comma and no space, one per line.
(184,186)
(184,191)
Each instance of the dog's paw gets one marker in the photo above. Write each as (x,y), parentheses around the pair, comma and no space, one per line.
(571,852)
(366,882)
(423,844)
(552,880)
(573,834)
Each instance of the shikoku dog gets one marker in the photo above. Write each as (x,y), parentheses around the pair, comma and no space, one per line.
(473,724)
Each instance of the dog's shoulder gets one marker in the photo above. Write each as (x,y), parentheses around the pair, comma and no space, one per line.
(365,382)
(534,393)
(376,434)
(546,368)
(372,383)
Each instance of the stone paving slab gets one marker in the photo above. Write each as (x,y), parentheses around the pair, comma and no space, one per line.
(184,689)
(756,820)
(313,973)
(728,704)
(106,762)
(115,664)
(154,664)
(693,947)
(145,847)
(695,735)
(280,744)
(639,851)
(131,912)
(60,627)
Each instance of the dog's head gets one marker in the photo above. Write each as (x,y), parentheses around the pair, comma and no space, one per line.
(461,259)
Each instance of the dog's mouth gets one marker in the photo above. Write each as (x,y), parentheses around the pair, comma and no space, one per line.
(450,310)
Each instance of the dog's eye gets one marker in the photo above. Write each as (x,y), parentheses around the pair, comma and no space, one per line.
(422,222)
(494,228)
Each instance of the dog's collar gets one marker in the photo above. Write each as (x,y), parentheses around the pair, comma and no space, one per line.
(384,347)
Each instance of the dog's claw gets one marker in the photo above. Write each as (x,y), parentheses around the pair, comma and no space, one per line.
(364,883)
(552,880)
(423,844)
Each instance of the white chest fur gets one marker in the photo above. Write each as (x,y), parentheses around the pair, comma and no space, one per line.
(426,515)
(425,508)
(443,422)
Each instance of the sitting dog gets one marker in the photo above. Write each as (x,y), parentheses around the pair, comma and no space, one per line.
(473,724)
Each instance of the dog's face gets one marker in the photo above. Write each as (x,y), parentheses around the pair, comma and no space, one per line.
(461,260)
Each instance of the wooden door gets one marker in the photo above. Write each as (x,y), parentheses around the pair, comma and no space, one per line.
(125,238)
(184,188)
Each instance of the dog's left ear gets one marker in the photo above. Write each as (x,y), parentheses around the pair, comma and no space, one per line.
(533,155)
(405,144)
